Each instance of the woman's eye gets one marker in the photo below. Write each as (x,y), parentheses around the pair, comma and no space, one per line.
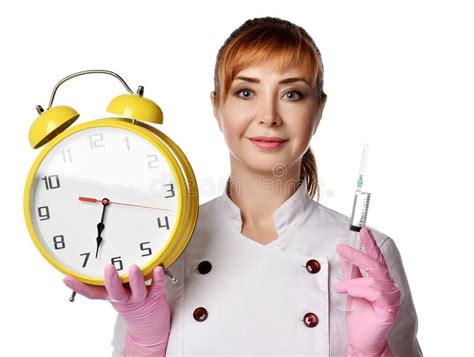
(246,91)
(293,92)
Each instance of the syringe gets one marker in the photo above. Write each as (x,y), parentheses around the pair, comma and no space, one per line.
(360,209)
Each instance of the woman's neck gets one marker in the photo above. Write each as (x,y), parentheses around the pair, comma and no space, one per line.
(259,194)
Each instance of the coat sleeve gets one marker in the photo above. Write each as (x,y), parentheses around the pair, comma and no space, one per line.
(117,353)
(118,339)
(402,338)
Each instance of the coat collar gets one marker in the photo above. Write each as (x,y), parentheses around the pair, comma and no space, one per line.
(284,217)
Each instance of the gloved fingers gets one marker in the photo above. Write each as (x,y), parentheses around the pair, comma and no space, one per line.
(379,284)
(350,271)
(383,295)
(137,284)
(371,247)
(358,273)
(158,280)
(87,290)
(362,260)
(390,299)
(347,269)
(364,292)
(114,285)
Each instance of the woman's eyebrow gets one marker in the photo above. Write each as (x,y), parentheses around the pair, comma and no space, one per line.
(283,81)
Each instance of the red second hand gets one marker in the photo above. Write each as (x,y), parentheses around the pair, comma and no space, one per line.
(95,200)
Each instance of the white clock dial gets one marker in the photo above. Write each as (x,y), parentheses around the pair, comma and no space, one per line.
(82,170)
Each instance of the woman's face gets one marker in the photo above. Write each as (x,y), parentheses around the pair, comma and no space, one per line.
(262,102)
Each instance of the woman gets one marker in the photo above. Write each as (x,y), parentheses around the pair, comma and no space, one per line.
(261,274)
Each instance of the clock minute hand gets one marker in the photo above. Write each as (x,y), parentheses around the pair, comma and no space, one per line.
(95,200)
(100,226)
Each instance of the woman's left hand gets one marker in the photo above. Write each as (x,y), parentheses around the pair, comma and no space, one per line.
(375,298)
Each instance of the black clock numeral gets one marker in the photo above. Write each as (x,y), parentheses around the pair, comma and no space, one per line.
(152,161)
(167,225)
(59,242)
(51,182)
(43,213)
(96,140)
(86,258)
(171,190)
(119,261)
(145,249)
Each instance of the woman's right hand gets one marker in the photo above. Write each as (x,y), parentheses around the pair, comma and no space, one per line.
(144,308)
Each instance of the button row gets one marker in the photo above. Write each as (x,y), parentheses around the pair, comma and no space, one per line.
(310,319)
(312,266)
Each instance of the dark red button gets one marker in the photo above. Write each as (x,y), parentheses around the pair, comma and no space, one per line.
(204,267)
(313,266)
(200,314)
(310,319)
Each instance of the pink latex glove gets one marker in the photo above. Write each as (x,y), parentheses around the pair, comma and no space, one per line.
(144,308)
(375,298)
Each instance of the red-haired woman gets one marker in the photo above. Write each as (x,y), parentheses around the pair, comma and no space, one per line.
(261,274)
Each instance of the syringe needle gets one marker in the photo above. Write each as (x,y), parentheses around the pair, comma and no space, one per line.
(363,161)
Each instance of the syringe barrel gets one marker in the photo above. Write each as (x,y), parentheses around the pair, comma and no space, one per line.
(360,209)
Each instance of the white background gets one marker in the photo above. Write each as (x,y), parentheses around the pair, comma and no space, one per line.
(399,76)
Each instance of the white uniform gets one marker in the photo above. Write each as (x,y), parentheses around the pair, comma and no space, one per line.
(237,297)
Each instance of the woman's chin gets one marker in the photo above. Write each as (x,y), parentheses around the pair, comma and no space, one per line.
(269,167)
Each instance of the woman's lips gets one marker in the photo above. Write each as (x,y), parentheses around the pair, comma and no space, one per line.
(268,144)
(267,138)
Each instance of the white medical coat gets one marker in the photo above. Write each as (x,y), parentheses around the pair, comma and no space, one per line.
(256,295)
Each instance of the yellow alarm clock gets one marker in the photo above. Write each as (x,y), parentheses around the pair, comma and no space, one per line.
(108,191)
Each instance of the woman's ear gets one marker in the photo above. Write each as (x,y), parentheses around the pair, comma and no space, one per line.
(319,112)
(214,108)
(213,101)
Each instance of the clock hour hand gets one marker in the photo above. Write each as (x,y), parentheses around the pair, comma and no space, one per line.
(100,226)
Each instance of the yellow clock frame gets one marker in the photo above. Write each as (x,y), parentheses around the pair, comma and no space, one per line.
(188,197)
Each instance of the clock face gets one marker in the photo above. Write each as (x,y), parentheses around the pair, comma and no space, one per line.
(103,195)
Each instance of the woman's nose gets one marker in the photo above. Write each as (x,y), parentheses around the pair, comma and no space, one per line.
(269,114)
